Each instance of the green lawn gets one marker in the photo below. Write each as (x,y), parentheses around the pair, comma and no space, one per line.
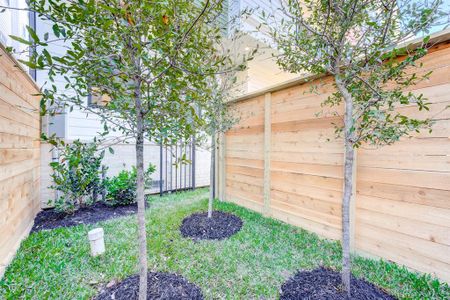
(250,265)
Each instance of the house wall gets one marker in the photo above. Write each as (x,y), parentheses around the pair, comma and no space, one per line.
(19,156)
(284,161)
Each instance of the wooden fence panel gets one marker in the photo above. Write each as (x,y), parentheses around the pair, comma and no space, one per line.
(19,156)
(285,155)
(306,160)
(244,157)
(403,191)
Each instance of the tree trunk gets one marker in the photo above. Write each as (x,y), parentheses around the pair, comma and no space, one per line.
(140,197)
(212,171)
(348,184)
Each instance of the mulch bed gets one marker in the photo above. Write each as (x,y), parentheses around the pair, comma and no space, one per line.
(50,219)
(160,286)
(324,284)
(221,225)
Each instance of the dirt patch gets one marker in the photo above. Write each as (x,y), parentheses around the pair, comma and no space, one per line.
(324,284)
(50,219)
(160,286)
(221,225)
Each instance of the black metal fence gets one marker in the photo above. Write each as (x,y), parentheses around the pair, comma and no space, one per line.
(177,167)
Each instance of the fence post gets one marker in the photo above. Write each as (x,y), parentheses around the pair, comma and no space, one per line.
(161,169)
(222,170)
(103,184)
(267,146)
(217,167)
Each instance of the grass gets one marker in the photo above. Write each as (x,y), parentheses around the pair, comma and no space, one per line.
(250,265)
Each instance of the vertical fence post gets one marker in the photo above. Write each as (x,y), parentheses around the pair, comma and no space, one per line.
(167,169)
(222,170)
(103,184)
(193,162)
(217,167)
(160,169)
(267,145)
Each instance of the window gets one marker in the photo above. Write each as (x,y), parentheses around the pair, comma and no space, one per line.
(15,22)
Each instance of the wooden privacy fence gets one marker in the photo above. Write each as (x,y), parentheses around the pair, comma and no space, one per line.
(285,161)
(19,156)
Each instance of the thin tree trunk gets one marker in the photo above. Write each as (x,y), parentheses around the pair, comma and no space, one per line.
(140,197)
(348,185)
(212,170)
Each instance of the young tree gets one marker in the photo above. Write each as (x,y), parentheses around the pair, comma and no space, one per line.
(219,118)
(355,42)
(143,59)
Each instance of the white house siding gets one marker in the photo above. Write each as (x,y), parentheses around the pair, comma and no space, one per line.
(47,194)
(202,164)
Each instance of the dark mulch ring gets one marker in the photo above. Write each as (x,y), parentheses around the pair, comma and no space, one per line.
(221,225)
(50,219)
(324,283)
(160,286)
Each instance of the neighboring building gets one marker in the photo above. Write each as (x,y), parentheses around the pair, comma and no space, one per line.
(262,71)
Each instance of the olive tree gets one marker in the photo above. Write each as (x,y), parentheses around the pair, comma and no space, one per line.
(356,42)
(144,61)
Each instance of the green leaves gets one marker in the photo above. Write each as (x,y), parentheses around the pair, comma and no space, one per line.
(21,40)
(356,43)
(33,34)
(76,174)
(163,54)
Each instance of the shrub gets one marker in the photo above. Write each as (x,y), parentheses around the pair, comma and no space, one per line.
(76,175)
(122,188)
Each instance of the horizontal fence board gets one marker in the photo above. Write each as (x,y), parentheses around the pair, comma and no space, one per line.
(327,183)
(412,211)
(8,156)
(408,194)
(246,202)
(8,141)
(416,247)
(15,128)
(308,191)
(324,230)
(377,245)
(310,169)
(426,179)
(253,163)
(407,161)
(426,231)
(335,159)
(308,214)
(315,204)
(18,114)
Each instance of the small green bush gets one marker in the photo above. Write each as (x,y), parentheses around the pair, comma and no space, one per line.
(121,189)
(76,175)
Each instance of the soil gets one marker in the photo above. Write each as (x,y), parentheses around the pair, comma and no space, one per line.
(160,286)
(220,226)
(50,219)
(324,284)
